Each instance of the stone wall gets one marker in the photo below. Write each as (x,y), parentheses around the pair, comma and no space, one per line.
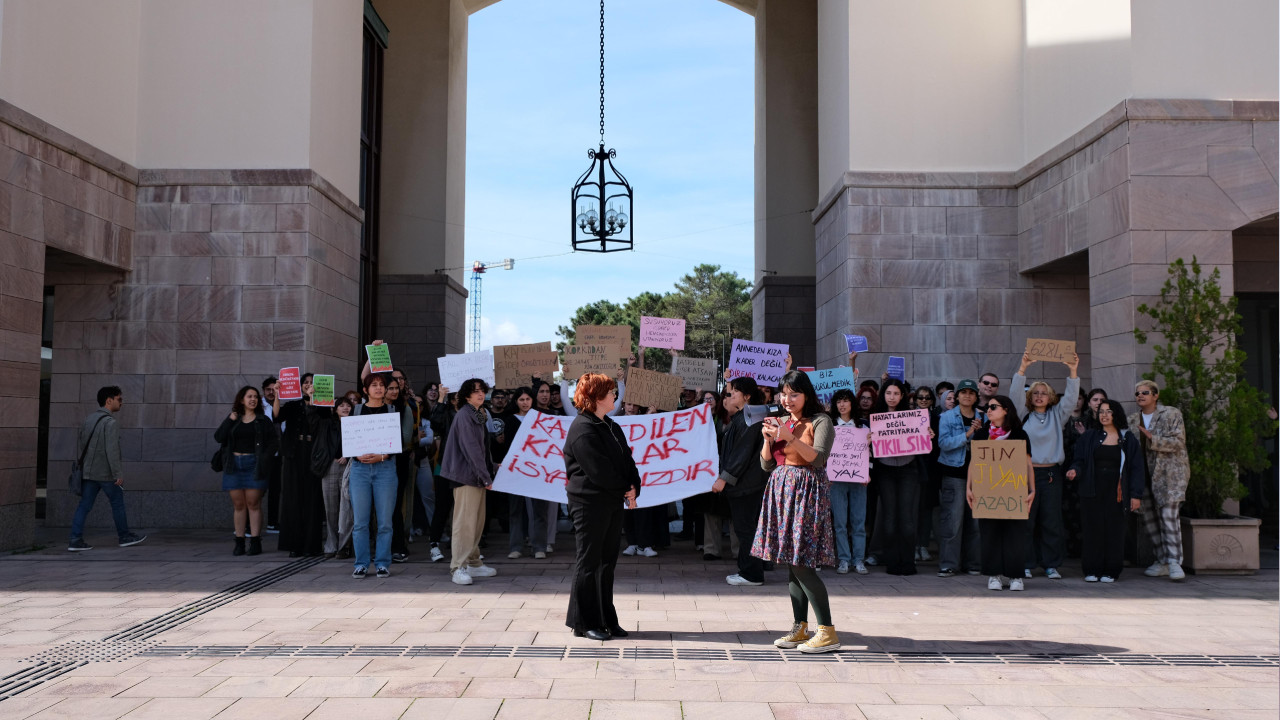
(423,318)
(782,312)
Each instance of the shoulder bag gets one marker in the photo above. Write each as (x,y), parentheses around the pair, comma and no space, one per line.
(75,482)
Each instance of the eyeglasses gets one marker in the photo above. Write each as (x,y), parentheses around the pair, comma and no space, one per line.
(988,383)
(1140,393)
(994,406)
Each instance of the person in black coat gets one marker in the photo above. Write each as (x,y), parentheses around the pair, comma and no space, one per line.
(1110,474)
(1004,542)
(742,481)
(301,499)
(601,476)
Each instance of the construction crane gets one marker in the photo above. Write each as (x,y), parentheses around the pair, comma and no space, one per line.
(477,274)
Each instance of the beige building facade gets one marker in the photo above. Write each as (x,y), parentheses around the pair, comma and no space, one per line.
(194,194)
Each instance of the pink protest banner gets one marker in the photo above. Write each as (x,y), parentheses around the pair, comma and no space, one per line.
(675,453)
(906,432)
(290,386)
(656,332)
(850,458)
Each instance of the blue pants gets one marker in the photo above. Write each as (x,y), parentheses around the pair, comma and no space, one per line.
(849,506)
(115,495)
(372,487)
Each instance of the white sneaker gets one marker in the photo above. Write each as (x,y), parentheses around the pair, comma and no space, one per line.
(481,571)
(631,550)
(993,583)
(1176,572)
(924,554)
(860,569)
(1091,578)
(1053,574)
(1026,574)
(649,552)
(843,568)
(1108,579)
(739,580)
(1157,569)
(1015,584)
(460,577)
(539,555)
(551,549)
(871,560)
(436,555)
(513,555)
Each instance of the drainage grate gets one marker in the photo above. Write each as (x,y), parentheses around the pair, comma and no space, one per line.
(27,678)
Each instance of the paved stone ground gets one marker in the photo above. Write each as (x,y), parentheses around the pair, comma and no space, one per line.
(919,647)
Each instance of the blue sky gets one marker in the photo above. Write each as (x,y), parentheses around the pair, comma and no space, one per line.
(679,104)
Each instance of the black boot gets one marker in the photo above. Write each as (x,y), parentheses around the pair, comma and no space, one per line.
(255,545)
(239,547)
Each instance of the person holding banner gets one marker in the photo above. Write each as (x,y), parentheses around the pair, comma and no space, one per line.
(249,441)
(526,517)
(795,515)
(1110,472)
(302,503)
(372,485)
(1004,542)
(848,499)
(469,467)
(602,475)
(742,478)
(900,479)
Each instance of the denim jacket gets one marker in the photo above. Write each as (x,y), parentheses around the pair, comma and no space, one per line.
(951,436)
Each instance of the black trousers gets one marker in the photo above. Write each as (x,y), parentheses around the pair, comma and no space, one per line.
(444,509)
(597,530)
(642,524)
(900,506)
(1102,525)
(1004,547)
(745,514)
(404,477)
(273,493)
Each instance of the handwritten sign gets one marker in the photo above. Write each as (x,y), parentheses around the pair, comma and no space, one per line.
(582,359)
(617,337)
(905,432)
(827,382)
(1051,350)
(850,458)
(897,368)
(656,332)
(365,434)
(766,362)
(379,357)
(290,385)
(506,363)
(647,388)
(539,363)
(322,390)
(856,343)
(696,373)
(457,369)
(675,453)
(998,471)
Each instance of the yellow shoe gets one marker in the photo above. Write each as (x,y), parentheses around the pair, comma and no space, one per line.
(797,635)
(824,640)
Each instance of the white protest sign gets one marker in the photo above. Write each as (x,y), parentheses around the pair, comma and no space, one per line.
(827,382)
(675,453)
(765,362)
(697,373)
(457,369)
(900,433)
(365,434)
(850,458)
(657,332)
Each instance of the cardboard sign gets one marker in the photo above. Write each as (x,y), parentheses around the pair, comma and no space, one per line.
(827,382)
(897,368)
(582,359)
(379,357)
(856,343)
(675,453)
(656,332)
(998,471)
(617,337)
(537,362)
(506,364)
(364,434)
(1051,350)
(457,369)
(766,362)
(647,388)
(697,373)
(905,432)
(322,390)
(290,384)
(850,458)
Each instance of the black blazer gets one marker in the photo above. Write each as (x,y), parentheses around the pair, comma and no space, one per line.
(1133,469)
(740,457)
(598,461)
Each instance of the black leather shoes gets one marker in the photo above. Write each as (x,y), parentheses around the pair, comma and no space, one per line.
(592,634)
(617,631)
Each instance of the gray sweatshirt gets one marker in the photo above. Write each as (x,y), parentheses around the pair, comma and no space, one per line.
(102,461)
(1045,429)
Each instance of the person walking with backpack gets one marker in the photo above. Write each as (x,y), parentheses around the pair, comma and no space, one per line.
(102,471)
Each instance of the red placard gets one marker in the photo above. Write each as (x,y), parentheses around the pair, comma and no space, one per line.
(290,386)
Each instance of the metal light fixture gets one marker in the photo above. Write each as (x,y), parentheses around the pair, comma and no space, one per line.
(600,202)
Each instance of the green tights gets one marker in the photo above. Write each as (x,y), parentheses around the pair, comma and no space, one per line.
(807,589)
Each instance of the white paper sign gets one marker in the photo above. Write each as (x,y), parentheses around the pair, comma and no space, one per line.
(365,434)
(457,369)
(675,453)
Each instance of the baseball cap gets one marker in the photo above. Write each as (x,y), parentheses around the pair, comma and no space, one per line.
(966,385)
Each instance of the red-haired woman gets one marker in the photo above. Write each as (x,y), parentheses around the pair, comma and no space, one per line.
(602,475)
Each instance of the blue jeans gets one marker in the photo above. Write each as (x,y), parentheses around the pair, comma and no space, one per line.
(849,505)
(372,487)
(115,495)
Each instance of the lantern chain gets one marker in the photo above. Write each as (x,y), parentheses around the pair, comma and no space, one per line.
(602,72)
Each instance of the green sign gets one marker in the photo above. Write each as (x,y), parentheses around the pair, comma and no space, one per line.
(379,357)
(322,390)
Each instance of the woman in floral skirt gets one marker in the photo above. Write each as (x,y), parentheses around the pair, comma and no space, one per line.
(795,518)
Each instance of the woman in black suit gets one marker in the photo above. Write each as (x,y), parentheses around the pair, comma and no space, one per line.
(602,476)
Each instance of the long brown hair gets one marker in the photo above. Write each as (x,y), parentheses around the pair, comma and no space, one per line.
(238,407)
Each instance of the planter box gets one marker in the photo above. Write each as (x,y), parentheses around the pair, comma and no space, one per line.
(1225,546)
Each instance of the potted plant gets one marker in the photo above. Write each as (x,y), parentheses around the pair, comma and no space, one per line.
(1200,369)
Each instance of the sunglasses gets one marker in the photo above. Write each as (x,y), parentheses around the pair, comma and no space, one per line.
(1140,393)
(993,407)
(988,383)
